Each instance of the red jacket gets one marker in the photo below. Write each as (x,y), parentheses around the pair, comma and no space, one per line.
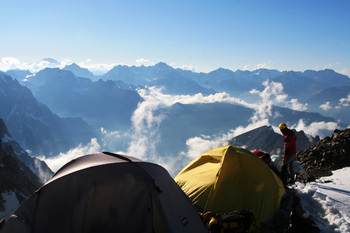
(258,153)
(290,147)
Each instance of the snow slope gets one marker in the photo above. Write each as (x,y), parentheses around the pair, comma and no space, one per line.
(328,200)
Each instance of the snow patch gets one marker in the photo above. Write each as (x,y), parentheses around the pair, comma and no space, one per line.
(328,200)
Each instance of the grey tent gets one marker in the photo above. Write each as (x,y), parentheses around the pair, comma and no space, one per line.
(107,192)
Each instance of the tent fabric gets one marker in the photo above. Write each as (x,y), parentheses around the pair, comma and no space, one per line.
(230,178)
(104,192)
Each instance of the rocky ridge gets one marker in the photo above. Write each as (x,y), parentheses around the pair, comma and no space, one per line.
(13,178)
(329,154)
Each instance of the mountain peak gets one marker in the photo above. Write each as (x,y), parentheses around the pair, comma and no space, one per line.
(222,71)
(51,60)
(162,65)
(266,139)
(79,71)
(73,65)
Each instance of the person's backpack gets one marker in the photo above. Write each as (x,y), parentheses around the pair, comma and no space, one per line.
(237,221)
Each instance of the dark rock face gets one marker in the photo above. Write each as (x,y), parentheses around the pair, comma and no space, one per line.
(13,178)
(329,154)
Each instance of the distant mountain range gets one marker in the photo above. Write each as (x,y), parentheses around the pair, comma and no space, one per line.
(57,109)
(312,87)
(100,103)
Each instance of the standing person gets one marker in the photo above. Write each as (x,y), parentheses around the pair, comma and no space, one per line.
(289,143)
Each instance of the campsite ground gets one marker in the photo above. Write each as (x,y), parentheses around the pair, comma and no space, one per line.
(328,200)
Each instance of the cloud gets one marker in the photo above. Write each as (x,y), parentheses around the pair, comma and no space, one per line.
(55,163)
(145,122)
(144,61)
(246,67)
(168,100)
(272,95)
(345,102)
(145,125)
(10,61)
(43,175)
(295,105)
(145,130)
(316,128)
(330,65)
(49,63)
(14,63)
(263,65)
(142,139)
(326,106)
(97,68)
(200,144)
(190,67)
(345,71)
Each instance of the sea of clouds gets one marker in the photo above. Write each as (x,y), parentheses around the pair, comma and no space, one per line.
(141,140)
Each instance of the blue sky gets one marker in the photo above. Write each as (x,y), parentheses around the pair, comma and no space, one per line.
(198,35)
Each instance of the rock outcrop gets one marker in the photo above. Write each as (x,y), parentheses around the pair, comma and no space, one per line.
(329,154)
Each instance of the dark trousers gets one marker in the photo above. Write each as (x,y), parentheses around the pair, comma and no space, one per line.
(288,169)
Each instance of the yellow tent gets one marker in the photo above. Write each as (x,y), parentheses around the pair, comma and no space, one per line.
(230,178)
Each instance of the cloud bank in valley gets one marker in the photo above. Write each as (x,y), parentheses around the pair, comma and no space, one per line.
(342,103)
(144,135)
